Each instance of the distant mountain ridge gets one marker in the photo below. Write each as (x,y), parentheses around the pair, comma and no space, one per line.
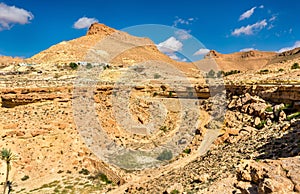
(108,41)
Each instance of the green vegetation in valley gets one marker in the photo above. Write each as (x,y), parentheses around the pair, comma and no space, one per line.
(165,155)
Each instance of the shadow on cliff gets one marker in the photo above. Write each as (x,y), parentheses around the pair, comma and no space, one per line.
(286,146)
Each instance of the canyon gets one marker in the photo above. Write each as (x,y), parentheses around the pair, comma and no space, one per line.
(249,118)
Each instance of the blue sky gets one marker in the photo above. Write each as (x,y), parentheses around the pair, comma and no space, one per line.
(28,27)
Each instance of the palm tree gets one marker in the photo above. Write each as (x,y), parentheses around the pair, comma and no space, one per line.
(7,156)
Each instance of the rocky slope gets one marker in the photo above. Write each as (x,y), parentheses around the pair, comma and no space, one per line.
(103,44)
(246,158)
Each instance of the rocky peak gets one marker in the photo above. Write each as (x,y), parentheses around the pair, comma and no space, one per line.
(290,52)
(213,53)
(100,29)
(248,54)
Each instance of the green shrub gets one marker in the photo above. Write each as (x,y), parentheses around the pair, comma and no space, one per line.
(231,72)
(281,70)
(264,71)
(164,128)
(104,178)
(175,191)
(24,178)
(156,76)
(165,155)
(73,65)
(84,171)
(296,66)
(211,73)
(89,66)
(269,109)
(292,116)
(100,176)
(187,151)
(170,94)
(261,124)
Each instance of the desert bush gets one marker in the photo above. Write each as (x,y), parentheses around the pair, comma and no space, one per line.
(156,76)
(175,191)
(104,178)
(264,71)
(269,109)
(165,155)
(73,65)
(24,178)
(187,151)
(89,66)
(292,116)
(296,66)
(232,72)
(100,176)
(261,124)
(211,73)
(84,171)
(164,128)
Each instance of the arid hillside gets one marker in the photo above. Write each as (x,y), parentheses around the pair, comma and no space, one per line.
(104,44)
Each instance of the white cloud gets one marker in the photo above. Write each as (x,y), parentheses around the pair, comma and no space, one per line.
(170,45)
(202,51)
(261,7)
(247,49)
(247,14)
(270,26)
(249,29)
(84,22)
(10,15)
(176,58)
(183,34)
(272,18)
(296,45)
(183,21)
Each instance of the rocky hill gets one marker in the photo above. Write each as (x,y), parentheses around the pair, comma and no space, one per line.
(115,47)
(6,60)
(252,60)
